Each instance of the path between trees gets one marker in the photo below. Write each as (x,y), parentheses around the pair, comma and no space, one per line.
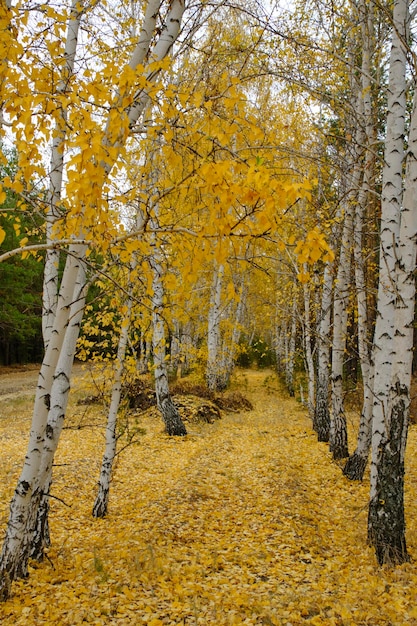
(18,380)
(244,521)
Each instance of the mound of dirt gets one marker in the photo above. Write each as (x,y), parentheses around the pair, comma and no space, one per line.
(227,401)
(194,409)
(191,409)
(195,403)
(139,394)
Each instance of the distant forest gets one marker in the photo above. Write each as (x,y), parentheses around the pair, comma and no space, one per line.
(20,290)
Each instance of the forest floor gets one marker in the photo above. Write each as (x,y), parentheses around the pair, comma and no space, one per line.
(244,521)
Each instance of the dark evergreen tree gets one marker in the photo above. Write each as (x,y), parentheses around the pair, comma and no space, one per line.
(20,285)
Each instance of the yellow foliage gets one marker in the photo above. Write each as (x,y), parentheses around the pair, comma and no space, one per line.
(313,248)
(245,522)
(303,277)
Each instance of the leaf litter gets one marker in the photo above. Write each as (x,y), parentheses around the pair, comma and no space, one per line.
(244,521)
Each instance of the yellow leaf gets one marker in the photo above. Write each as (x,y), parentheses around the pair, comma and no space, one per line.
(303,277)
(315,254)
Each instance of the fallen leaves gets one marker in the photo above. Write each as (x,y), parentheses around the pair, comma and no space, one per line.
(244,521)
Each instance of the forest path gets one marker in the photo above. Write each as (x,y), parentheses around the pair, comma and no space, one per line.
(18,380)
(245,521)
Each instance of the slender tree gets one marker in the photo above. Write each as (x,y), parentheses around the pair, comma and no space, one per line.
(172,419)
(338,431)
(355,465)
(393,338)
(101,502)
(214,374)
(308,350)
(321,419)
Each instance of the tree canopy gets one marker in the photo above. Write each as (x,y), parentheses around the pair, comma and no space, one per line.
(200,180)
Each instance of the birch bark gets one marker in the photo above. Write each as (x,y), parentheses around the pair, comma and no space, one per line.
(101,502)
(290,349)
(50,401)
(172,419)
(321,420)
(41,536)
(308,350)
(386,523)
(50,282)
(356,464)
(230,343)
(213,373)
(338,432)
(393,332)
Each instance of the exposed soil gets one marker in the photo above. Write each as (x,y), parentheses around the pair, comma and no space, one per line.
(19,380)
(195,404)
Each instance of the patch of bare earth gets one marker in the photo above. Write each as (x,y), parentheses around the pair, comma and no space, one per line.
(18,380)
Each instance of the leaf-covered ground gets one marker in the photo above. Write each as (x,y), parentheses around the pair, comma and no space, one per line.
(244,521)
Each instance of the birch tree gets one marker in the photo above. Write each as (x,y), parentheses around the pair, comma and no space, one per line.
(97,154)
(355,465)
(321,421)
(230,343)
(172,419)
(395,311)
(290,347)
(307,332)
(225,318)
(214,376)
(101,502)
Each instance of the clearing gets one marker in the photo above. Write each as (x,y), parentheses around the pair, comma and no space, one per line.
(244,521)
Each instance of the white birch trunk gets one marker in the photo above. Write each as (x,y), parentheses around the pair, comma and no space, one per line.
(175,351)
(100,506)
(62,376)
(386,524)
(290,350)
(338,432)
(356,464)
(322,414)
(172,419)
(35,475)
(213,373)
(101,502)
(351,178)
(229,348)
(41,537)
(308,351)
(38,536)
(52,256)
(174,425)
